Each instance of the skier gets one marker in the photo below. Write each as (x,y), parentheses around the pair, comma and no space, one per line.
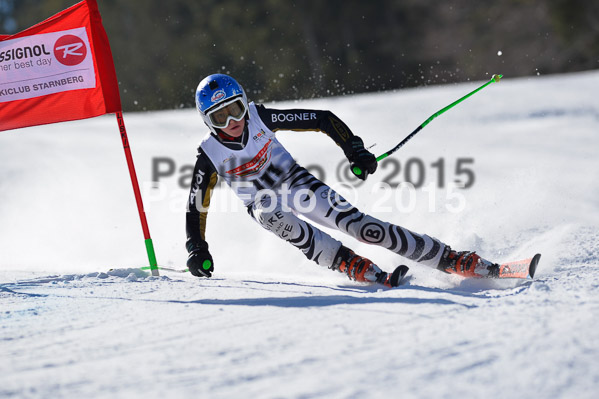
(242,148)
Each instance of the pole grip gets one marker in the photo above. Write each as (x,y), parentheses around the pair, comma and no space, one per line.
(357,171)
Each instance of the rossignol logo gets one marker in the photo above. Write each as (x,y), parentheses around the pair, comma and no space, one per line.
(70,50)
(218,95)
(46,63)
(291,117)
(21,53)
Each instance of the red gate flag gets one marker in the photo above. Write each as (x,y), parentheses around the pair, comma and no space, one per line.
(58,70)
(62,70)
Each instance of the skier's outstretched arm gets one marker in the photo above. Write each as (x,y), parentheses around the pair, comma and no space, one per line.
(324,121)
(200,261)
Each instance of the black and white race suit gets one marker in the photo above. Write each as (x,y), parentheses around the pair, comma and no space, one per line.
(276,190)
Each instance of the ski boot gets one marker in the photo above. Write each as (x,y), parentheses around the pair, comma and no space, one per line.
(362,269)
(466,264)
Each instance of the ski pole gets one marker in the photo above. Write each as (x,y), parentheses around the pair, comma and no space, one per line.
(495,78)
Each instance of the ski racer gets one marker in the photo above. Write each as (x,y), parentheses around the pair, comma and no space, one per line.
(242,149)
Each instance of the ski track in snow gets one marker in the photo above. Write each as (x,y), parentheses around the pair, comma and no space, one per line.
(275,325)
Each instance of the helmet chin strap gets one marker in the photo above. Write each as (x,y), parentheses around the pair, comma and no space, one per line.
(226,139)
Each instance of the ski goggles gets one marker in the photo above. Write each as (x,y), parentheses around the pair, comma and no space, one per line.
(227,111)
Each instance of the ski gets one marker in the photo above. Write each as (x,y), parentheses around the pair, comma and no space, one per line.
(523,269)
(394,279)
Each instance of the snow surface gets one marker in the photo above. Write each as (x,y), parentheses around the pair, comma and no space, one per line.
(78,318)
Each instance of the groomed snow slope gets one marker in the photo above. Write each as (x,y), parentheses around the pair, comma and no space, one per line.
(79,319)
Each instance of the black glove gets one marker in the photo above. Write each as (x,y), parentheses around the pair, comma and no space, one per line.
(361,159)
(200,263)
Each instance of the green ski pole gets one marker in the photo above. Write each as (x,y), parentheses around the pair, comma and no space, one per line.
(495,78)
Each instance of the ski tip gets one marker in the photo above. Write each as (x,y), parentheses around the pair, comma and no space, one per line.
(533,265)
(397,275)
